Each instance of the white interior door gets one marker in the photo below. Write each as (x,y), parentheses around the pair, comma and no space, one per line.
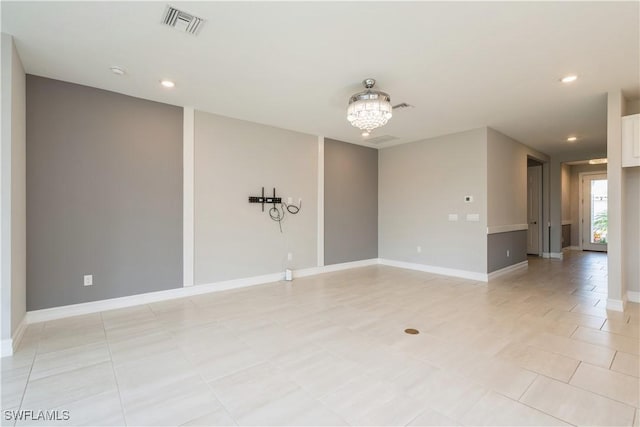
(594,212)
(534,208)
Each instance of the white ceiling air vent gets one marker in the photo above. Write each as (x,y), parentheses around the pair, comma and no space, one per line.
(381,139)
(182,21)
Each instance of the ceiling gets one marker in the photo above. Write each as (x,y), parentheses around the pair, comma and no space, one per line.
(463,65)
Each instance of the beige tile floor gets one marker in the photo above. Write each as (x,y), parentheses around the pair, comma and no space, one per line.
(536,347)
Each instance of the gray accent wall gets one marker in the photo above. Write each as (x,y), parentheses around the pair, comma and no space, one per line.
(507,161)
(234,159)
(499,243)
(350,202)
(420,184)
(104,194)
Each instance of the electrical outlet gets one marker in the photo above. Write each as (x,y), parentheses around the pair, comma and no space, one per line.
(473,217)
(289,200)
(419,249)
(508,254)
(88,280)
(290,256)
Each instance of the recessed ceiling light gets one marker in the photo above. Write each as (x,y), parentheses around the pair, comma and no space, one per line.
(119,71)
(569,79)
(572,139)
(365,133)
(597,161)
(167,83)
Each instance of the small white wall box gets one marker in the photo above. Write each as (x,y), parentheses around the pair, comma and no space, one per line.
(288,275)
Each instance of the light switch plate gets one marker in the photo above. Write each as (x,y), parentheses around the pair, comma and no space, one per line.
(473,217)
(453,217)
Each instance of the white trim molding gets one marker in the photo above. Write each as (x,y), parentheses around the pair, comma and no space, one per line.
(633,296)
(553,255)
(122,302)
(508,269)
(320,236)
(615,304)
(9,346)
(567,222)
(494,229)
(572,248)
(335,267)
(464,274)
(6,348)
(188,199)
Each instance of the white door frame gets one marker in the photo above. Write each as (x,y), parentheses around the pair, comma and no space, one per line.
(581,175)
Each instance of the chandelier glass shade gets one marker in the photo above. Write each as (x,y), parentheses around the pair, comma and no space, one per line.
(369,109)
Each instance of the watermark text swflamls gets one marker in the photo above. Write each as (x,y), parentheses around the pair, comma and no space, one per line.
(31,415)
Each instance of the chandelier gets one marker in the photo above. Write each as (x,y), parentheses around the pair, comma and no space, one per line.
(369,109)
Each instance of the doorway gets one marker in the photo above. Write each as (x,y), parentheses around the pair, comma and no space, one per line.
(534,207)
(593,211)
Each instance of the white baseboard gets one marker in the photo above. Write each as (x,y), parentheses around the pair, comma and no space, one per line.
(6,348)
(9,346)
(573,248)
(507,228)
(554,255)
(464,274)
(335,267)
(615,304)
(509,269)
(47,314)
(633,296)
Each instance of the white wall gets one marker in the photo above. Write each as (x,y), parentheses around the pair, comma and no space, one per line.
(233,160)
(12,182)
(507,179)
(615,233)
(631,225)
(419,185)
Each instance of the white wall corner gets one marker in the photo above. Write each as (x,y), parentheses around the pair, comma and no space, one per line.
(10,346)
(633,296)
(615,304)
(320,237)
(6,348)
(188,200)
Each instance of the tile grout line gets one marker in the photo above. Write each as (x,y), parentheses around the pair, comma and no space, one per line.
(605,396)
(528,387)
(613,359)
(533,407)
(113,369)
(574,372)
(24,390)
(208,384)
